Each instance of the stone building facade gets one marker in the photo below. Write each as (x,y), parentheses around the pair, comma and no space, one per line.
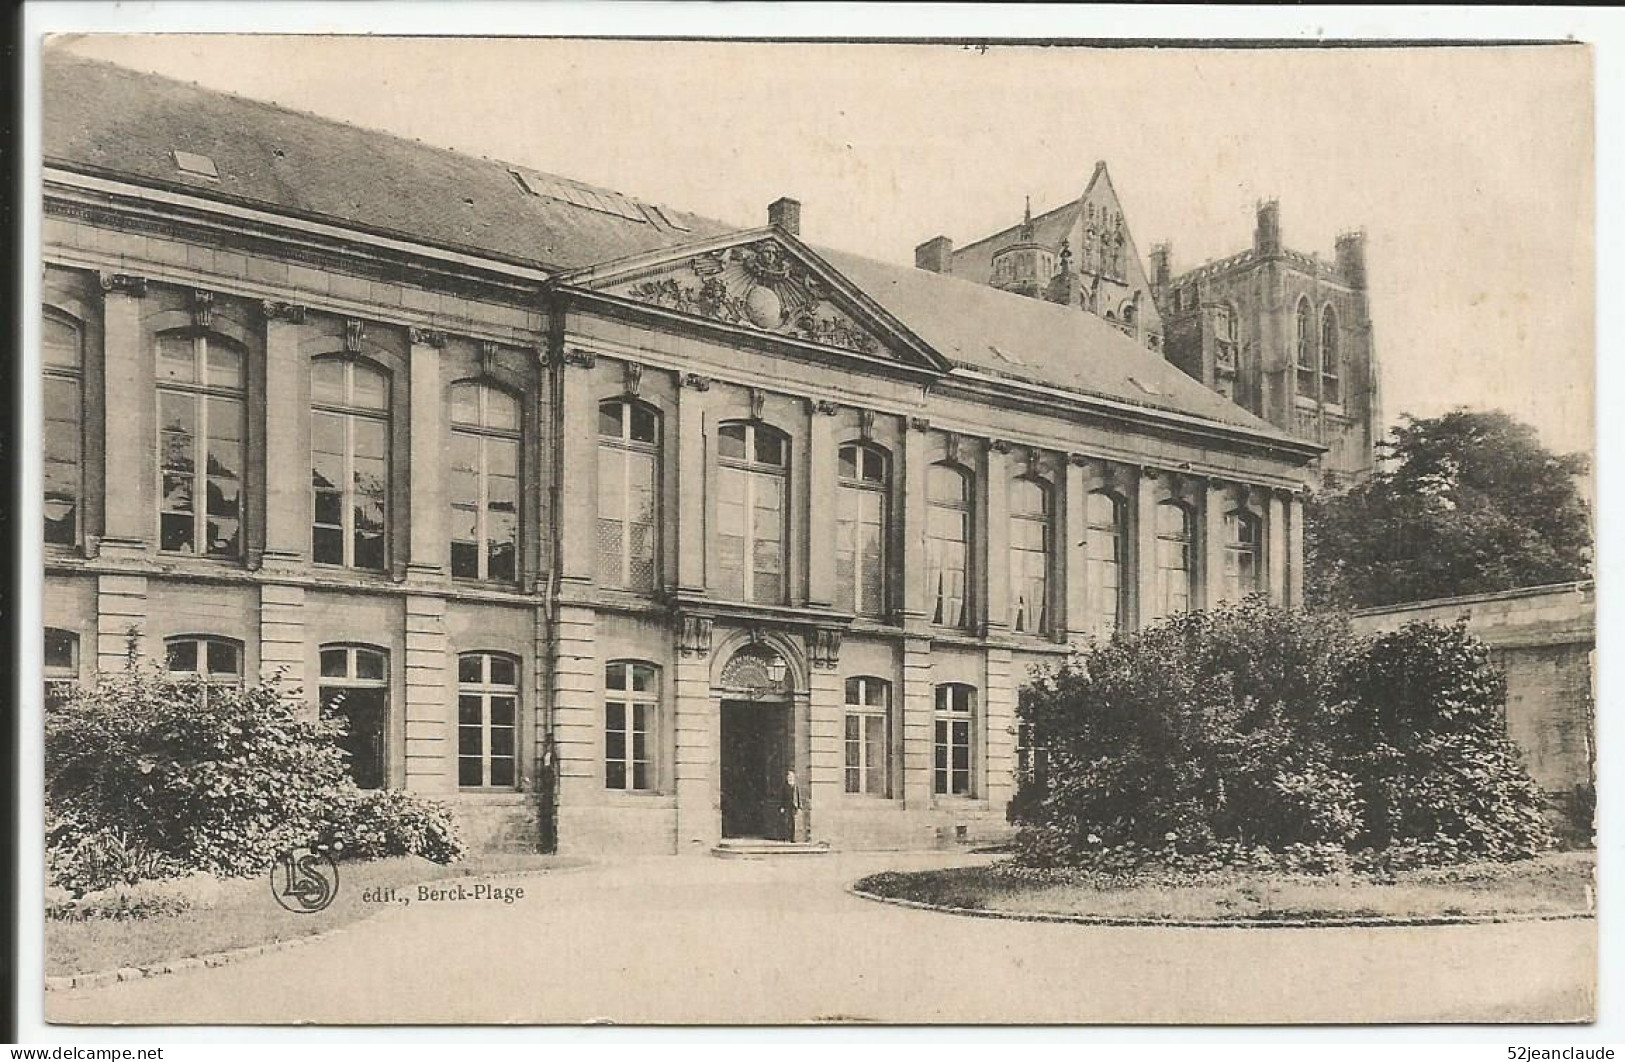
(602,516)
(1279,332)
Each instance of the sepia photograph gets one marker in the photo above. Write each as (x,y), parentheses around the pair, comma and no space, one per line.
(553,531)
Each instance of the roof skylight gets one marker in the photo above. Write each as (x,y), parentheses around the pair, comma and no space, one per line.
(196,165)
(540,184)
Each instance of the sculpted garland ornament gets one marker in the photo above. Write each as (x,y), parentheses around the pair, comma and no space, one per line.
(758,286)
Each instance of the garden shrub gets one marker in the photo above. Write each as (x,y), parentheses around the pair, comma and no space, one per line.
(1442,781)
(149,775)
(1254,736)
(374,823)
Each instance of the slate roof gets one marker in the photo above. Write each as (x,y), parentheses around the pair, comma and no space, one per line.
(975,261)
(107,120)
(996,332)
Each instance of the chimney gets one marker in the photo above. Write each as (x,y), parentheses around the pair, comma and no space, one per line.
(1267,236)
(785,213)
(1351,258)
(935,254)
(1161,265)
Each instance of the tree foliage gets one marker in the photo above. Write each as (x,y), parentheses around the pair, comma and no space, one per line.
(1257,729)
(1464,503)
(149,774)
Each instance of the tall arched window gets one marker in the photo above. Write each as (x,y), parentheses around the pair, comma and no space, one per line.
(631,725)
(1107,536)
(860,546)
(1241,547)
(349,458)
(63,400)
(484,483)
(1030,554)
(200,444)
(1305,350)
(947,557)
(1330,385)
(354,689)
(628,494)
(955,740)
(868,745)
(753,468)
(1174,553)
(487,720)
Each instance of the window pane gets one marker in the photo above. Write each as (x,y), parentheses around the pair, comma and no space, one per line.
(643,424)
(503,671)
(62,348)
(468,667)
(731,441)
(503,710)
(224,365)
(468,770)
(181,655)
(327,382)
(468,710)
(609,419)
(769,447)
(334,663)
(61,648)
(175,532)
(371,388)
(849,462)
(875,754)
(643,678)
(177,358)
(368,664)
(224,659)
(502,771)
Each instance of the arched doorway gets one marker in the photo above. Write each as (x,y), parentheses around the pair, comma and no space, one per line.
(757,744)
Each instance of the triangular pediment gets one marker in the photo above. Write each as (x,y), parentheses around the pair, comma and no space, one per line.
(762,281)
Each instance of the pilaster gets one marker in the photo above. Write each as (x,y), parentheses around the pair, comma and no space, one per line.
(1294,551)
(693,398)
(995,537)
(578,448)
(121,608)
(826,749)
(1212,545)
(430,547)
(1146,607)
(1074,532)
(918,705)
(820,503)
(430,757)
(576,684)
(999,720)
(1275,551)
(909,561)
(282,638)
(130,435)
(698,752)
(287,439)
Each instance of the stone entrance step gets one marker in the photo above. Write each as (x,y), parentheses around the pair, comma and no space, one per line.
(753,848)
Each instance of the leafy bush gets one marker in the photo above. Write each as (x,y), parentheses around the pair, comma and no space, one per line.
(101,859)
(148,774)
(1253,736)
(374,823)
(1428,739)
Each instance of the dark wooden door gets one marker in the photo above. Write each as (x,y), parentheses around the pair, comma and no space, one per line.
(755,757)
